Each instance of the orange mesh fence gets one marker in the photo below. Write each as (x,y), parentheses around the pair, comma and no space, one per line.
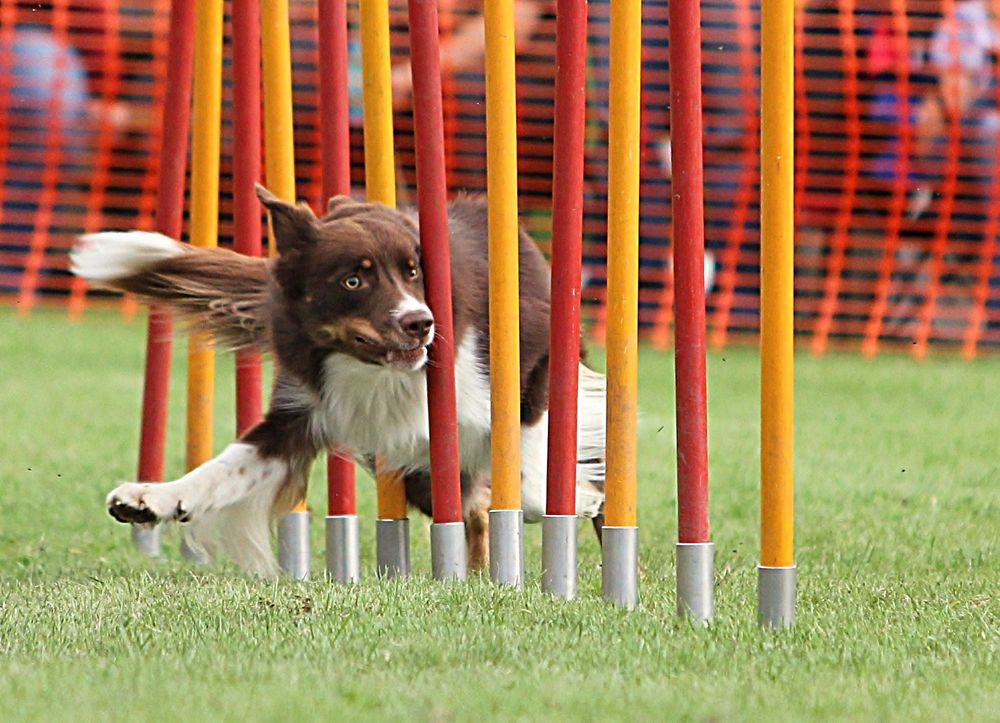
(80,96)
(898,192)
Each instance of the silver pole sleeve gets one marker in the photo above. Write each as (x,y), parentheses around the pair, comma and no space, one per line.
(507,547)
(776,596)
(392,548)
(293,544)
(695,583)
(620,568)
(559,556)
(343,548)
(448,556)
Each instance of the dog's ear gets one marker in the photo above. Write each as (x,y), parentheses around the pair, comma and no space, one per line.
(339,207)
(337,203)
(293,224)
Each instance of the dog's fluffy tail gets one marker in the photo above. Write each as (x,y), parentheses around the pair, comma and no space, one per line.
(218,291)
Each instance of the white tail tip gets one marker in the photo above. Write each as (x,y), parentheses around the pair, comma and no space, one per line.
(111,255)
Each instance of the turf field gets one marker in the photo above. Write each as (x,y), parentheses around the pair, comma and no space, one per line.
(898,542)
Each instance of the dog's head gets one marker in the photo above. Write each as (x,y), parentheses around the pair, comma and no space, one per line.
(352,279)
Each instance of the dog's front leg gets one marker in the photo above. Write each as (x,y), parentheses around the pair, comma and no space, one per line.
(237,473)
(229,501)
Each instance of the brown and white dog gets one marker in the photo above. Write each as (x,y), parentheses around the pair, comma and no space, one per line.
(342,311)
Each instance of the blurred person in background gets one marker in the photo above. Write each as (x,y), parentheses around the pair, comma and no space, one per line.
(53,59)
(962,62)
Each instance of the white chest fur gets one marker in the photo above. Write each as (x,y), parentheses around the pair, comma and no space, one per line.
(380,410)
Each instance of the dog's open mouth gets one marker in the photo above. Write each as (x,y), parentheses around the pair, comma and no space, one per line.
(409,359)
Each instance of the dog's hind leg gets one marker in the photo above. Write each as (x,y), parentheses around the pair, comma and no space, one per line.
(229,501)
(477,538)
(476,493)
(475,510)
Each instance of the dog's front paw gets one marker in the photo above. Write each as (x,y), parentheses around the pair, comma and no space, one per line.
(143,503)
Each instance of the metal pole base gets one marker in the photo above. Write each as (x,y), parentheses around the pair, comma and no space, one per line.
(392,548)
(776,596)
(695,583)
(620,566)
(293,544)
(448,557)
(343,548)
(559,556)
(146,540)
(507,547)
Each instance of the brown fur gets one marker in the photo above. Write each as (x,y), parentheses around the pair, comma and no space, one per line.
(217,290)
(477,537)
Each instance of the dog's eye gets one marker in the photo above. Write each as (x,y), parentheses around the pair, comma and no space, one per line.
(413,272)
(352,282)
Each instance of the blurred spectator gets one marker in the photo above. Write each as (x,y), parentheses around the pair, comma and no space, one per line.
(49,76)
(52,61)
(961,52)
(961,59)
(960,106)
(46,79)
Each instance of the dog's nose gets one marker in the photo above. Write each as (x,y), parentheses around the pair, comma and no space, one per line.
(417,322)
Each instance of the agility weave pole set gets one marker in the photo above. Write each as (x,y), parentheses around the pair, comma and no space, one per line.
(269,30)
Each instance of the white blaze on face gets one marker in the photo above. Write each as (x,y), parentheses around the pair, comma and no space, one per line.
(408,304)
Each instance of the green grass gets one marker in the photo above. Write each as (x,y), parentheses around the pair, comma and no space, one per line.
(898,539)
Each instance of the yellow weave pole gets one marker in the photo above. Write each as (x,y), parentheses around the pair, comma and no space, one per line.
(276,65)
(506,517)
(620,541)
(623,264)
(776,588)
(376,80)
(206,123)
(391,492)
(279,162)
(380,184)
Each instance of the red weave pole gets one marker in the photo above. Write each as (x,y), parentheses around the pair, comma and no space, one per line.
(335,153)
(567,240)
(432,198)
(169,221)
(246,172)
(334,102)
(689,271)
